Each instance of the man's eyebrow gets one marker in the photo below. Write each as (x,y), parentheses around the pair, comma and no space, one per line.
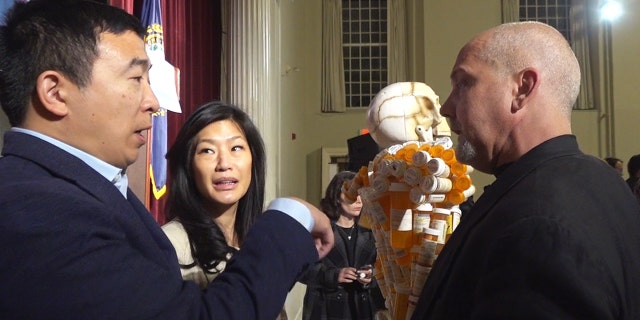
(135,62)
(455,73)
(459,72)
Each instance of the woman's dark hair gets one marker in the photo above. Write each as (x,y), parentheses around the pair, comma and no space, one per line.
(612,161)
(208,244)
(330,204)
(633,166)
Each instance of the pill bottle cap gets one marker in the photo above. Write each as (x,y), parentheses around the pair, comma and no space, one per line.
(459,169)
(394,148)
(417,196)
(437,166)
(398,168)
(381,184)
(428,184)
(436,151)
(456,196)
(410,148)
(425,207)
(449,156)
(421,158)
(413,176)
(470,191)
(442,210)
(462,182)
(431,231)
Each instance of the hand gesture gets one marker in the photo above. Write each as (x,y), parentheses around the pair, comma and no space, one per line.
(347,275)
(365,273)
(322,233)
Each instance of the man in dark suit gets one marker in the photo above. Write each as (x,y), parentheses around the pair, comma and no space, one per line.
(557,235)
(75,241)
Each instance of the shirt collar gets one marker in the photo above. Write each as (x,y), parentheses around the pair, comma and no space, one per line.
(115,175)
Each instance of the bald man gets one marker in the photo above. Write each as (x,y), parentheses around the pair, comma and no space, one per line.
(557,235)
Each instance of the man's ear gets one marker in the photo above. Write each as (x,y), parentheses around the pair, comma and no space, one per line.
(527,84)
(52,90)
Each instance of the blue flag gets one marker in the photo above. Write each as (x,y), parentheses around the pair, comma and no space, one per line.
(154,41)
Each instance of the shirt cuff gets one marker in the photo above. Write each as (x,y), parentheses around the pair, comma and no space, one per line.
(295,210)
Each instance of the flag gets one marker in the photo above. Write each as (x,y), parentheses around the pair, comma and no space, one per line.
(163,83)
(154,45)
(158,150)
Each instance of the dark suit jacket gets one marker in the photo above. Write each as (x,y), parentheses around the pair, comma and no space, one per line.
(556,236)
(325,297)
(72,247)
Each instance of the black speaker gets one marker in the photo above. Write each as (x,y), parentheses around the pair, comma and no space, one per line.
(362,149)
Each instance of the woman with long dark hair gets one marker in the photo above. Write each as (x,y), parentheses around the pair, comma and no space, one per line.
(342,286)
(216,188)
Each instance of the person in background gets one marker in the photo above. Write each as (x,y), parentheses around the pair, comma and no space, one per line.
(342,286)
(633,168)
(216,191)
(76,243)
(557,234)
(615,163)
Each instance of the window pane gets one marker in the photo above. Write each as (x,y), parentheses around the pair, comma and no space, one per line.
(355,77)
(552,12)
(542,12)
(355,15)
(365,26)
(355,88)
(376,87)
(375,15)
(375,76)
(355,64)
(366,64)
(355,27)
(365,49)
(355,101)
(365,52)
(375,51)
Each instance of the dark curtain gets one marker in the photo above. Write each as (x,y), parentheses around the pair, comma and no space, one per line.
(192,43)
(124,4)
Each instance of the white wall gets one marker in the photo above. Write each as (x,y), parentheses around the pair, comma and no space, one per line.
(626,68)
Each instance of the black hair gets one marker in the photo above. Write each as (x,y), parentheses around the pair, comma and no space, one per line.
(633,166)
(331,203)
(208,244)
(62,35)
(612,161)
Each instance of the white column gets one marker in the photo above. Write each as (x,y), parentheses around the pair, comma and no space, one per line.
(250,72)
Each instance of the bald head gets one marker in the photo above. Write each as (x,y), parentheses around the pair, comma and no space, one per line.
(514,87)
(511,47)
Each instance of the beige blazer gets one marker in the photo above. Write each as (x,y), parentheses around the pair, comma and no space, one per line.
(180,241)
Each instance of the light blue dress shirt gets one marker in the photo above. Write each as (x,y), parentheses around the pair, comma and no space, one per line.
(295,210)
(116,175)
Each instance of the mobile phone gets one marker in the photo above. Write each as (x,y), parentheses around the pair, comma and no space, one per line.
(362,274)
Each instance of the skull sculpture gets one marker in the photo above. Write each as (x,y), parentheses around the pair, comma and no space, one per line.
(405,111)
